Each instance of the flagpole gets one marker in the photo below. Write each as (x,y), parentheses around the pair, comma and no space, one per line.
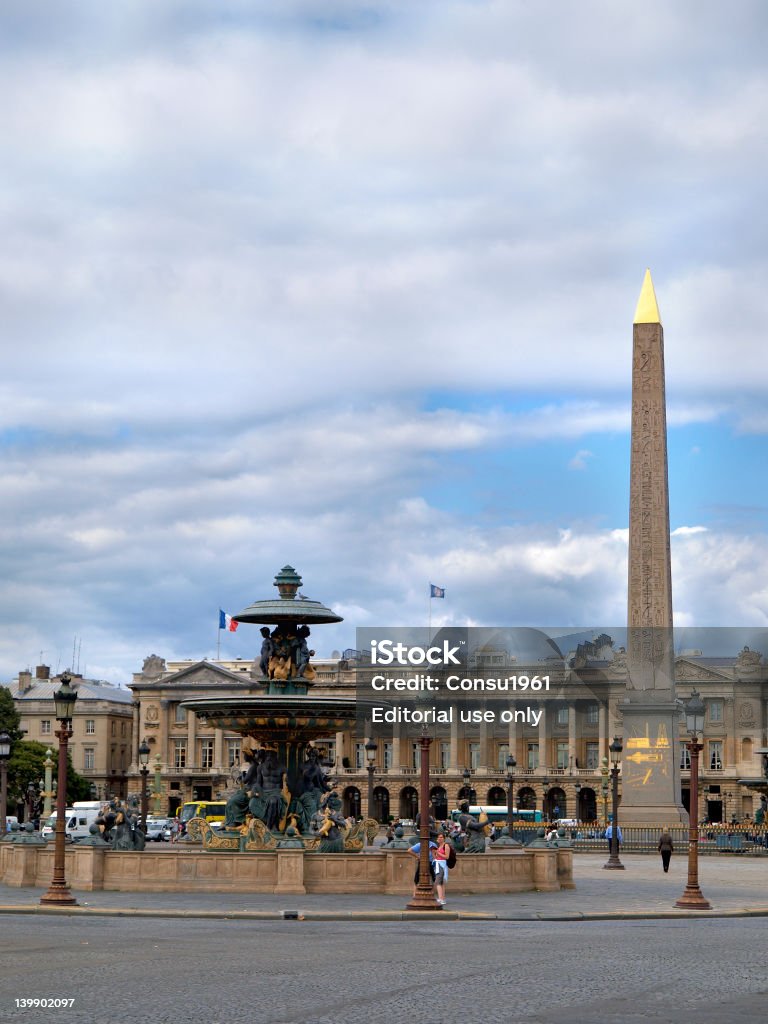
(429,617)
(218,642)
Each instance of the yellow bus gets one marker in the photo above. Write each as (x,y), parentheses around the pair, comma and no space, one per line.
(211,810)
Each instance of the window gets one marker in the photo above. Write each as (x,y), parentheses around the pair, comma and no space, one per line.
(90,726)
(206,754)
(45,727)
(114,728)
(179,753)
(715,708)
(562,755)
(503,755)
(533,755)
(359,755)
(415,755)
(386,754)
(562,716)
(593,755)
(122,728)
(445,755)
(715,755)
(685,758)
(89,759)
(474,756)
(592,715)
(330,747)
(181,715)
(233,752)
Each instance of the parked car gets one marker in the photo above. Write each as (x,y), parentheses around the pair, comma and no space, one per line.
(158,830)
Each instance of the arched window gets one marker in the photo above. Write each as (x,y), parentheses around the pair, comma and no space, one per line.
(409,803)
(351,802)
(497,796)
(439,800)
(380,809)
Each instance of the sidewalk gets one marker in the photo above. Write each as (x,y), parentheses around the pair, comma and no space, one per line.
(735,886)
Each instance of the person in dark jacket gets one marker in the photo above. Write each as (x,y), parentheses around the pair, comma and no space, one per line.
(666,847)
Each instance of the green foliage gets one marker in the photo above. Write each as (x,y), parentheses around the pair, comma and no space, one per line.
(27,764)
(9,716)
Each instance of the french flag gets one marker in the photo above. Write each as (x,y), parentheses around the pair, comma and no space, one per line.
(227,622)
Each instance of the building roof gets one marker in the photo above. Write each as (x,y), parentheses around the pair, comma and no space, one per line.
(86,689)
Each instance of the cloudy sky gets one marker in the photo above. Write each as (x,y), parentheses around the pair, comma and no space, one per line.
(350,286)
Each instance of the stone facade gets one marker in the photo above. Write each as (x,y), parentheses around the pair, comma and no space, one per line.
(563,752)
(102,725)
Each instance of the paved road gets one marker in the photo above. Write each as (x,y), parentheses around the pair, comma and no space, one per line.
(123,969)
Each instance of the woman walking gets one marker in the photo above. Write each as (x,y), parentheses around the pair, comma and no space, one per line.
(666,847)
(442,853)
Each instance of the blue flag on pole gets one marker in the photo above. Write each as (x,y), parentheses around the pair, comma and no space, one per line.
(436,591)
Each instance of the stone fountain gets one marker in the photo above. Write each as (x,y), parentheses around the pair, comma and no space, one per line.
(285,796)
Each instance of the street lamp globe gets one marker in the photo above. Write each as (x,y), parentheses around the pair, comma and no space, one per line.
(64,700)
(694,713)
(616,749)
(5,746)
(370,751)
(144,752)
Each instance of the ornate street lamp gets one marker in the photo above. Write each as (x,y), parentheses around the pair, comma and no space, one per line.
(5,753)
(470,793)
(144,769)
(604,789)
(692,898)
(158,791)
(58,893)
(370,757)
(613,859)
(511,765)
(577,790)
(425,893)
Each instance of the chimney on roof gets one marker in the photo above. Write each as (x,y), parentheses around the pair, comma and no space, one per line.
(25,681)
(43,672)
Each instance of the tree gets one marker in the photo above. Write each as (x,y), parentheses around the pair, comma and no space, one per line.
(9,716)
(27,764)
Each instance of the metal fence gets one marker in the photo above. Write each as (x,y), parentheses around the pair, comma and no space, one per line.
(730,839)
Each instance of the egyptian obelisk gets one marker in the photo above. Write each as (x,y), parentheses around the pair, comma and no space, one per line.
(650,766)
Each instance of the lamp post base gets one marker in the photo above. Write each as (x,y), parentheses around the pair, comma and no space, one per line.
(424,899)
(692,899)
(613,865)
(58,896)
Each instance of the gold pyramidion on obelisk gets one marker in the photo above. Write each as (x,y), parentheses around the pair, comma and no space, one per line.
(647,311)
(650,722)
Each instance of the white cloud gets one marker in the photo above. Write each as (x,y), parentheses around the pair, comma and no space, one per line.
(270,283)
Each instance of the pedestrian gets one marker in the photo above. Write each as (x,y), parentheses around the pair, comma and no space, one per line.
(666,846)
(609,836)
(442,853)
(416,851)
(174,828)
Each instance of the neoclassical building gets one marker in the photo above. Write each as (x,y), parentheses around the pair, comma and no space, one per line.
(560,766)
(102,738)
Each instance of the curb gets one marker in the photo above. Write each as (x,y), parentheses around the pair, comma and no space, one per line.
(383,915)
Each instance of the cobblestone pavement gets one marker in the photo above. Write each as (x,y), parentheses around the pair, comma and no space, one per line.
(732,884)
(127,968)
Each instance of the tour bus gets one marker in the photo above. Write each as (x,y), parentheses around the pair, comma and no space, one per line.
(211,810)
(499,813)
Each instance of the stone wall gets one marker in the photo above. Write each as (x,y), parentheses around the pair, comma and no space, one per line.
(288,871)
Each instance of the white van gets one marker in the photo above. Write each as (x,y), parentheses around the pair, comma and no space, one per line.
(79,819)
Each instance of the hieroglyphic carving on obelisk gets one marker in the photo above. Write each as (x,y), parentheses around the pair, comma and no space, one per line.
(650,768)
(649,618)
